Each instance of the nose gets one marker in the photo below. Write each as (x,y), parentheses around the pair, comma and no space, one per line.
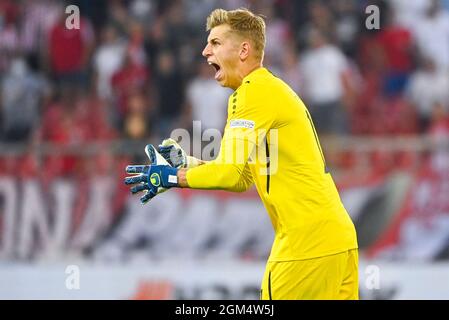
(206,51)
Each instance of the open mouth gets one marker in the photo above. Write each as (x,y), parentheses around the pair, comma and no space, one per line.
(217,69)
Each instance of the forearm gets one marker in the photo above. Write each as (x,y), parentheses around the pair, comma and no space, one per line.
(193,162)
(229,171)
(182,173)
(215,177)
(182,179)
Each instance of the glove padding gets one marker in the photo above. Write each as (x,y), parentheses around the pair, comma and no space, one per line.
(154,178)
(175,155)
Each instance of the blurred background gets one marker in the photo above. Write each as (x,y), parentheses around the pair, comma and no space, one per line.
(77,106)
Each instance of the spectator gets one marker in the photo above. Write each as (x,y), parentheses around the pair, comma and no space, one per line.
(60,127)
(108,59)
(324,90)
(394,46)
(319,17)
(136,123)
(131,77)
(69,52)
(170,89)
(39,16)
(118,16)
(278,36)
(347,26)
(432,35)
(22,91)
(428,86)
(92,111)
(206,102)
(136,43)
(290,70)
(179,36)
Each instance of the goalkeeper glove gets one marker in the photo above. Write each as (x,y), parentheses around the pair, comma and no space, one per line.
(176,156)
(152,179)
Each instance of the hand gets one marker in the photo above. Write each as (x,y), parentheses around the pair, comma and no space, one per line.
(152,179)
(175,155)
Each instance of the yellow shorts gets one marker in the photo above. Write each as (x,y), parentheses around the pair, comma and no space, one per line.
(333,277)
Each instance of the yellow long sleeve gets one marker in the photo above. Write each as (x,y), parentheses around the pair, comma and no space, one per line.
(220,176)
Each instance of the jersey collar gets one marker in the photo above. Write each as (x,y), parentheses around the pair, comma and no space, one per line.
(255,73)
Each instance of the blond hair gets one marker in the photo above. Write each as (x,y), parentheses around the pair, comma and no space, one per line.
(243,23)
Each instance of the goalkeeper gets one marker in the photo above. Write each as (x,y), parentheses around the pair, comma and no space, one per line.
(270,141)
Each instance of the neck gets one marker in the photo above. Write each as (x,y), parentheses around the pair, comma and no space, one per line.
(245,70)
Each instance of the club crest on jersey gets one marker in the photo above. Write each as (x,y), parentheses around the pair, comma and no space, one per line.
(241,123)
(155,179)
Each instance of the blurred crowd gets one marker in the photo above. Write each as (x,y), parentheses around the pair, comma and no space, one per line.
(134,70)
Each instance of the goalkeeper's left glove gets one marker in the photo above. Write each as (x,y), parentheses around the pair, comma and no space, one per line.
(176,156)
(152,179)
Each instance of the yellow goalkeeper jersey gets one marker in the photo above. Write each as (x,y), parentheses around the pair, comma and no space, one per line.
(270,140)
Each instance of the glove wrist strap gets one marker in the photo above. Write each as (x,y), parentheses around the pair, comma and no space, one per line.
(170,178)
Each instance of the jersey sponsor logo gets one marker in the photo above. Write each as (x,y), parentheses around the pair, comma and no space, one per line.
(241,123)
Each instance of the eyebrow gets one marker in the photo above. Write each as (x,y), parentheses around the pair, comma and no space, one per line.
(213,39)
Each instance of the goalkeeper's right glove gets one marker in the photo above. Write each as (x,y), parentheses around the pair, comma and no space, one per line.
(152,179)
(176,156)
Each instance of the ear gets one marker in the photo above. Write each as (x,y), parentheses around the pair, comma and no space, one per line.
(245,49)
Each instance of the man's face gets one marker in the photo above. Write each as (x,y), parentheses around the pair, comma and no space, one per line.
(222,52)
